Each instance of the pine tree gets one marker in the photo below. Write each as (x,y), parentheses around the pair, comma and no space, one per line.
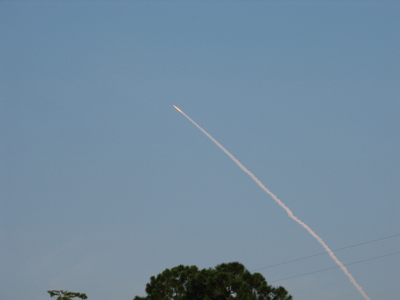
(65,295)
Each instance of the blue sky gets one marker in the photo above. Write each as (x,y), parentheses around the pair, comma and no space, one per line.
(105,184)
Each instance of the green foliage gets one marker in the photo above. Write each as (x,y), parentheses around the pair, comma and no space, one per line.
(65,295)
(224,282)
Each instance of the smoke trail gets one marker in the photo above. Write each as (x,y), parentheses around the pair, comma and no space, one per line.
(289,212)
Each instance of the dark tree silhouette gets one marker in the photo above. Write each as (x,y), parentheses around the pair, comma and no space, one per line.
(224,282)
(65,295)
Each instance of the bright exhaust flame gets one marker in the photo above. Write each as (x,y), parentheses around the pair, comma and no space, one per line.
(289,212)
(178,109)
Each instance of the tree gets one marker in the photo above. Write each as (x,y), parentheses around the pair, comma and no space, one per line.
(65,295)
(224,282)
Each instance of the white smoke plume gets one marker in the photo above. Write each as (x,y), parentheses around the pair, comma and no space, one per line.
(289,212)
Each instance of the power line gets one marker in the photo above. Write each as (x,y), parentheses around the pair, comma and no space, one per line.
(356,262)
(307,257)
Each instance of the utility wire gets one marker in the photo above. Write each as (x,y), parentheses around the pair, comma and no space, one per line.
(290,261)
(356,262)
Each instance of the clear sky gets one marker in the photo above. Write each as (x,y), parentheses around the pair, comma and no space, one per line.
(104,183)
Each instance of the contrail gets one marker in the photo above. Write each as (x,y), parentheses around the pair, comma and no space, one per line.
(289,212)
